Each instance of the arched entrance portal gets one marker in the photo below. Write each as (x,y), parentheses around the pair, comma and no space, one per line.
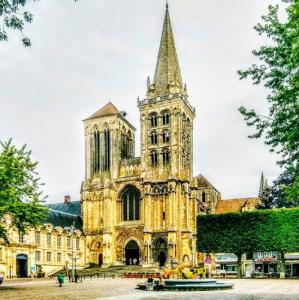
(132,253)
(96,252)
(22,265)
(160,251)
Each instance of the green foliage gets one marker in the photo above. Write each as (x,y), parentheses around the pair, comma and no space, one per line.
(278,72)
(276,196)
(259,230)
(20,194)
(14,16)
(249,232)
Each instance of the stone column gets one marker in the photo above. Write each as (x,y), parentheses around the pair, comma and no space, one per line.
(187,207)
(174,211)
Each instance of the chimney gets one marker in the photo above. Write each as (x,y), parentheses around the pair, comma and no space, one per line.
(67,199)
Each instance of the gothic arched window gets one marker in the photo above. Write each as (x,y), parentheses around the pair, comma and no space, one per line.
(166,156)
(154,158)
(130,203)
(154,119)
(166,136)
(165,117)
(154,138)
(203,197)
(96,151)
(107,150)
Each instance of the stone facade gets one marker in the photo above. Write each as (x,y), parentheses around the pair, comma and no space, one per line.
(145,208)
(42,250)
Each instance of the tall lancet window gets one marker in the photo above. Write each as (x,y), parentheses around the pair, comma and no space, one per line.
(154,158)
(166,136)
(130,202)
(166,156)
(154,138)
(124,146)
(203,197)
(96,151)
(165,117)
(153,119)
(107,154)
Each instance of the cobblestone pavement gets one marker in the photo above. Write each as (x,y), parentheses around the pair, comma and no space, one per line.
(118,289)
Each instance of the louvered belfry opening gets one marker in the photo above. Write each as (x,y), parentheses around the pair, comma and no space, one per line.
(101,151)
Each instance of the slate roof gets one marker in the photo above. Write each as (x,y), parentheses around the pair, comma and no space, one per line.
(74,207)
(64,215)
(236,205)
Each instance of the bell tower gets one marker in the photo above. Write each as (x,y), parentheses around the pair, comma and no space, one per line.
(166,117)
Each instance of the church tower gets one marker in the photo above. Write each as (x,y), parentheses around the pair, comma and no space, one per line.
(144,209)
(166,157)
(166,117)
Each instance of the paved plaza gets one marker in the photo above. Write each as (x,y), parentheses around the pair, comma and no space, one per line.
(111,289)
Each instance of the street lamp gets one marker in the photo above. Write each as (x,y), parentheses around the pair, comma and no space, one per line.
(76,257)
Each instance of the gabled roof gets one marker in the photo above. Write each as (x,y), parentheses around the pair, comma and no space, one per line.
(203,182)
(107,110)
(236,205)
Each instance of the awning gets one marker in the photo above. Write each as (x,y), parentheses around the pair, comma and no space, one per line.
(266,259)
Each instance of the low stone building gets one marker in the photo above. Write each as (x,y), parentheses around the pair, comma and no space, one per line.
(48,248)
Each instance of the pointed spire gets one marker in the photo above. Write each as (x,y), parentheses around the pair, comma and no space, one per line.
(262,184)
(167,74)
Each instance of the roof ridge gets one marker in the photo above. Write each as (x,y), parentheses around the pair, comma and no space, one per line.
(63,212)
(234,199)
(108,109)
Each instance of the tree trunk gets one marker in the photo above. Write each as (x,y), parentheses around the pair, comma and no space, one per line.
(282,265)
(239,265)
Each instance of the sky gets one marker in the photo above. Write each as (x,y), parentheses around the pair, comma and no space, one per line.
(87,53)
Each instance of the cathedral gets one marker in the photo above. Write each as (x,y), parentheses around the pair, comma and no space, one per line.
(143,209)
(133,210)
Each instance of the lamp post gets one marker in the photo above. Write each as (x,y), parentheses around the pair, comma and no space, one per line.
(76,257)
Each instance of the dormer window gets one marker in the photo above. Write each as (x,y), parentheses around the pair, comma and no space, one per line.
(21,238)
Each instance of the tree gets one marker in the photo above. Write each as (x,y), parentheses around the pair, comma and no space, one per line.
(13,15)
(278,72)
(274,197)
(249,232)
(20,195)
(266,200)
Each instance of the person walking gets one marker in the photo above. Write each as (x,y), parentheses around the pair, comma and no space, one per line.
(1,278)
(60,279)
